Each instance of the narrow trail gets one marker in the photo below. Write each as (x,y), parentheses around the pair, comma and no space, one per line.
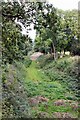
(45,87)
(35,74)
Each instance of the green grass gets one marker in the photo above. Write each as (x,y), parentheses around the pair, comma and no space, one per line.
(38,82)
(35,74)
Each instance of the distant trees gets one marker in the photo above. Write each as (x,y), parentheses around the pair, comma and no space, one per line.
(47,31)
(60,32)
(68,31)
(44,18)
(57,30)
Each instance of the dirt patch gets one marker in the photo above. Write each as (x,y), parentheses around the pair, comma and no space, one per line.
(43,115)
(33,102)
(60,102)
(62,115)
(42,99)
(38,99)
(72,104)
(35,55)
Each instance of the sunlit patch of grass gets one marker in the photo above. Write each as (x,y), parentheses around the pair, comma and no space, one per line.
(34,74)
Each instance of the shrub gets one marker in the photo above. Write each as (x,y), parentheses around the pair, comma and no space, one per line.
(44,60)
(14,96)
(27,62)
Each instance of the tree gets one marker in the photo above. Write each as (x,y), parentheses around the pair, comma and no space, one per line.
(68,30)
(14,43)
(47,26)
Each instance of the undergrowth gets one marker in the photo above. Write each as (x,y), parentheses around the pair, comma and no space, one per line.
(27,79)
(51,80)
(14,95)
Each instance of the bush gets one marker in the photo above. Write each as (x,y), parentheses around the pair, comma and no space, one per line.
(14,100)
(44,60)
(62,65)
(27,62)
(64,70)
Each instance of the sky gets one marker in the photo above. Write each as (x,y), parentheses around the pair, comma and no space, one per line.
(61,4)
(65,4)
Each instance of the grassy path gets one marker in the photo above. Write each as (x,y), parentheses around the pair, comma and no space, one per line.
(35,74)
(42,84)
(38,84)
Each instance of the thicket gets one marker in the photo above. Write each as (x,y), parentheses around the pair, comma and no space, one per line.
(65,70)
(14,94)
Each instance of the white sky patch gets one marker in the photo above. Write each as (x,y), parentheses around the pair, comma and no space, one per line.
(22,26)
(24,30)
(61,4)
(65,4)
(5,0)
(19,2)
(32,32)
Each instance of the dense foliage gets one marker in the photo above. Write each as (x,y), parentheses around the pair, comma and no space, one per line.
(61,34)
(14,94)
(64,70)
(15,45)
(53,81)
(56,31)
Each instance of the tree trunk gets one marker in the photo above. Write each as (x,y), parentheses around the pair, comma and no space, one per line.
(54,50)
(64,52)
(51,50)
